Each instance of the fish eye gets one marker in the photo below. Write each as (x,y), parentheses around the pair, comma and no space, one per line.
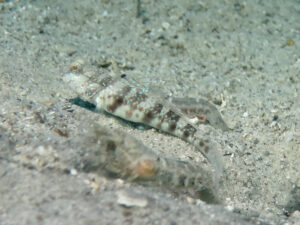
(123,75)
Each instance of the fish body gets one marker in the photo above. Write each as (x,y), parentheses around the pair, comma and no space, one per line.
(122,96)
(121,155)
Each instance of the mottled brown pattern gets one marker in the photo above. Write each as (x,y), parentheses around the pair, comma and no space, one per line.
(188,130)
(126,90)
(157,108)
(172,127)
(129,113)
(140,96)
(172,116)
(118,100)
(105,82)
(136,98)
(148,116)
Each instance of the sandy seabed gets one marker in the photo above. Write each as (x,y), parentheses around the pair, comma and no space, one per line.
(244,56)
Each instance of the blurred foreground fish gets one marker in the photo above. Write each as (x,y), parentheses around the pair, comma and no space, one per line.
(120,155)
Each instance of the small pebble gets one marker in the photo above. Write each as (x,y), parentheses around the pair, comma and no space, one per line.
(165,25)
(77,65)
(131,199)
(73,172)
(296,214)
(289,42)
